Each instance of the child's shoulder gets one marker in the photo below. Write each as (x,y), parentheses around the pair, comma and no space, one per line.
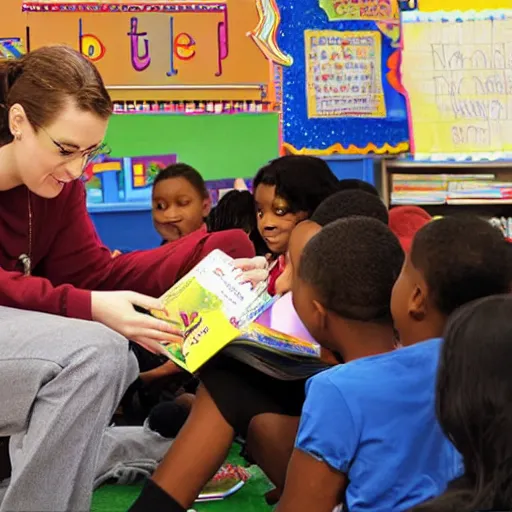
(373,371)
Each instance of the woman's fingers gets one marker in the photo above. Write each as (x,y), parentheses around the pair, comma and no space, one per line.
(150,344)
(145,301)
(142,321)
(246,264)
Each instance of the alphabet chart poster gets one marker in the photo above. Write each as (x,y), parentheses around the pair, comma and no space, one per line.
(344,74)
(457,70)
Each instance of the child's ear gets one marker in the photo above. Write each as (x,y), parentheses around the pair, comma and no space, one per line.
(207,206)
(418,302)
(320,316)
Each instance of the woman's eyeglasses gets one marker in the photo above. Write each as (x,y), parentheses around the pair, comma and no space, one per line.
(87,155)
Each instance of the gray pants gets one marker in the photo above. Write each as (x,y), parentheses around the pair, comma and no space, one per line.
(60,382)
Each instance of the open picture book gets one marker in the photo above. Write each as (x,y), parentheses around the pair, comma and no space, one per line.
(214,310)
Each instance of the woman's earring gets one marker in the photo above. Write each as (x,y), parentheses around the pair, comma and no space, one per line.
(17,136)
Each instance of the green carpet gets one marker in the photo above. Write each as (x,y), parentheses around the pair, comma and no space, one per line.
(118,498)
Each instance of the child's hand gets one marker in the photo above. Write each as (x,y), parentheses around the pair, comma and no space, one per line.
(115,253)
(254,270)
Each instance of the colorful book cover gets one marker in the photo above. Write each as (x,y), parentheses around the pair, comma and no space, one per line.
(213,308)
(209,306)
(228,480)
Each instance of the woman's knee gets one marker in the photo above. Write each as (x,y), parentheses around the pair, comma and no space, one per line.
(102,350)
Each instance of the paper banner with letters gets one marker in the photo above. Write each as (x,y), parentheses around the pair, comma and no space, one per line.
(365,10)
(456,70)
(343,72)
(198,49)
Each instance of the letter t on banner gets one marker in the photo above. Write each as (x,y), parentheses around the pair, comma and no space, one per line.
(139,62)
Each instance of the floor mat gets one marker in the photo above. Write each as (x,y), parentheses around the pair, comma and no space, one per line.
(118,498)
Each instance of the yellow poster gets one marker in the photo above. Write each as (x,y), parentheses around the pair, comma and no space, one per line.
(459,81)
(344,76)
(462,5)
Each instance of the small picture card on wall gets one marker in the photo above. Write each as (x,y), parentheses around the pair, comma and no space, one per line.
(343,72)
(364,10)
(11,48)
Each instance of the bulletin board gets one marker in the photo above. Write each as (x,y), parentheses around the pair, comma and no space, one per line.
(457,71)
(369,33)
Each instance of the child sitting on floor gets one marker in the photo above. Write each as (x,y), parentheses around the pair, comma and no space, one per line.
(381,448)
(340,205)
(180,202)
(474,386)
(287,191)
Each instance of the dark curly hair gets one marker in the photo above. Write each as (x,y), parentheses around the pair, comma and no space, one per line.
(462,258)
(353,264)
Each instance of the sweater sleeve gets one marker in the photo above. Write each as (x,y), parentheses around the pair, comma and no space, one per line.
(154,271)
(38,294)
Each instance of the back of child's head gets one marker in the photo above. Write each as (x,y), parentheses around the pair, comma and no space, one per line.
(355,184)
(474,386)
(461,258)
(405,221)
(303,181)
(185,171)
(348,203)
(351,266)
(235,210)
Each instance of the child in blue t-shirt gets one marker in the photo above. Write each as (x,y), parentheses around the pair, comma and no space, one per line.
(368,435)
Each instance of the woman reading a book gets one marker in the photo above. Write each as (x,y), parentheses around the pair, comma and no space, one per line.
(66,306)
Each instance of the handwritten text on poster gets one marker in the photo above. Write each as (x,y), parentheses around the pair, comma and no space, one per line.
(378,10)
(459,79)
(344,74)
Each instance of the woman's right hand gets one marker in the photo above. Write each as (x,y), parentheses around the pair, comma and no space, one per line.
(116,310)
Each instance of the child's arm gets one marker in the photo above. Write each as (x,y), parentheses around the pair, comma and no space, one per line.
(311,485)
(325,447)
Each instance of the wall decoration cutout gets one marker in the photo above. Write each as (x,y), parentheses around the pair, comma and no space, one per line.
(344,74)
(265,33)
(11,48)
(115,180)
(456,69)
(359,135)
(365,10)
(110,181)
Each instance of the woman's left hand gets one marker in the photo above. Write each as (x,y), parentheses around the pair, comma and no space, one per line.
(254,270)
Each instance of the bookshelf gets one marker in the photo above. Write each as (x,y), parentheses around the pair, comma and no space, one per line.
(445,188)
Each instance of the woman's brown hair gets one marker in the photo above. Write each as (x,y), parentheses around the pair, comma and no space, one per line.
(44,80)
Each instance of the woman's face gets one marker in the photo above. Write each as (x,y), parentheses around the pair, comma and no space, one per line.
(275,219)
(49,157)
(178,208)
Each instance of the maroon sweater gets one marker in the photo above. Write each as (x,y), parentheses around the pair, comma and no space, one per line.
(69,260)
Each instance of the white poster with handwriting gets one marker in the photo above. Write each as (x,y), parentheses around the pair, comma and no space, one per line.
(458,77)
